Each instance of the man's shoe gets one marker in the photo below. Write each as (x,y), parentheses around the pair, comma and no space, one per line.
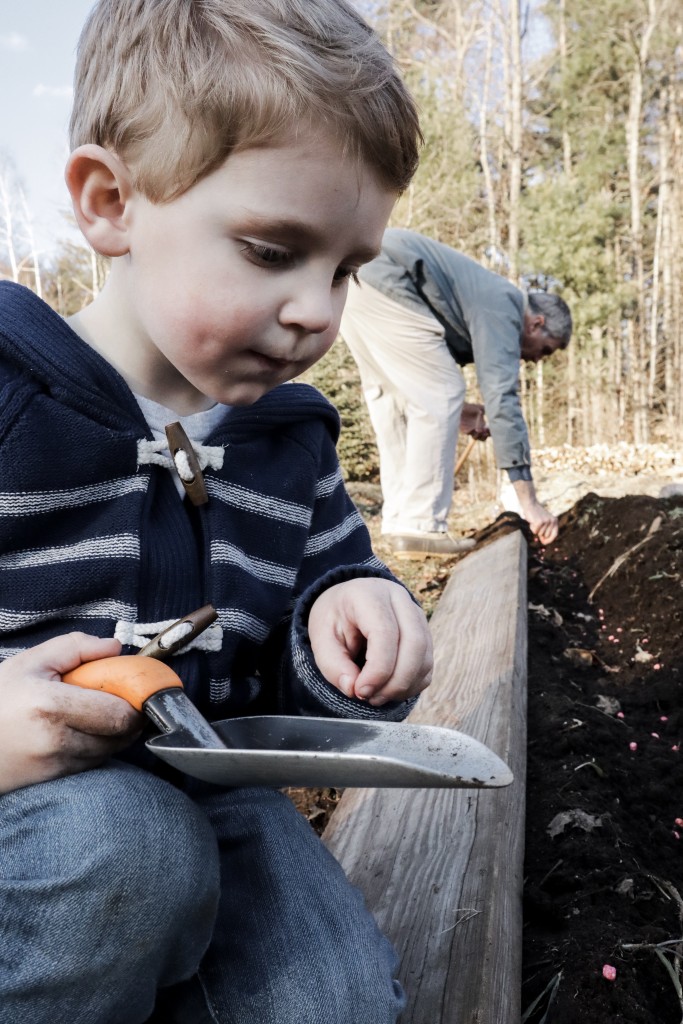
(423,545)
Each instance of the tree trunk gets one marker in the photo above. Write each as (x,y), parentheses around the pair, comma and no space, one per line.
(566,138)
(494,241)
(633,126)
(540,418)
(515,137)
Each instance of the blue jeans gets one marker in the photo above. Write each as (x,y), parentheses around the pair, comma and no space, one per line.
(122,900)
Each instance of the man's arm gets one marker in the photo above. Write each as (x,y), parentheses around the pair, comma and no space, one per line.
(473,421)
(542,522)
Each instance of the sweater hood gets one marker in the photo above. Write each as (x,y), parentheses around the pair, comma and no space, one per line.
(42,346)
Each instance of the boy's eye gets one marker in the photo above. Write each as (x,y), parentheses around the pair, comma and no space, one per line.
(344,273)
(266,256)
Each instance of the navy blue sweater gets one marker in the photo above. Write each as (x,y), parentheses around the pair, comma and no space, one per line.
(93,540)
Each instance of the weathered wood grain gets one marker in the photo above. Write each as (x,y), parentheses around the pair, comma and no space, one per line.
(442,869)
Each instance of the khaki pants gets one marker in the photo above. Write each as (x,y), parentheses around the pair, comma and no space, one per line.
(415,392)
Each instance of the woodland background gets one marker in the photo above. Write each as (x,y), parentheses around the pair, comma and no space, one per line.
(554,156)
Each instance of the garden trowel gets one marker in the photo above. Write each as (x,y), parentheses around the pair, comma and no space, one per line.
(282,750)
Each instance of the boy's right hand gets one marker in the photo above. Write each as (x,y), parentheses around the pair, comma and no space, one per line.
(49,728)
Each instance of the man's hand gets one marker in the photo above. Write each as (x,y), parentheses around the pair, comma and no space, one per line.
(473,421)
(49,728)
(542,522)
(374,622)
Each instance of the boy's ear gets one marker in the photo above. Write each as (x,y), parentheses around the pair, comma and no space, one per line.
(100,186)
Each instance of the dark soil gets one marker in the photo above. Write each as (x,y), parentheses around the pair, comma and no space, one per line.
(604,848)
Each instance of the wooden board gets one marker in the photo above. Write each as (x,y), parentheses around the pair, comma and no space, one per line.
(442,869)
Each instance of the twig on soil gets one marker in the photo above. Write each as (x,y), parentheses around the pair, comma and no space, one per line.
(655,525)
(669,890)
(651,945)
(551,990)
(592,707)
(547,875)
(591,764)
(674,971)
(672,962)
(671,958)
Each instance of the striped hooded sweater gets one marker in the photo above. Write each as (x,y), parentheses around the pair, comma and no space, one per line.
(94,536)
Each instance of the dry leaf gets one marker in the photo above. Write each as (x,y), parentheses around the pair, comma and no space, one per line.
(625,887)
(575,818)
(578,656)
(547,613)
(610,705)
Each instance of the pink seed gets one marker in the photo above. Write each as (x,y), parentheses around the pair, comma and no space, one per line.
(619,629)
(656,666)
(679,822)
(655,735)
(609,972)
(620,714)
(676,834)
(663,718)
(676,748)
(633,746)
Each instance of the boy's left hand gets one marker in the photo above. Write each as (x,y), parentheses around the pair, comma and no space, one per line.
(374,622)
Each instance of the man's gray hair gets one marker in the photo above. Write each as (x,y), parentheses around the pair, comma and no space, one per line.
(557,317)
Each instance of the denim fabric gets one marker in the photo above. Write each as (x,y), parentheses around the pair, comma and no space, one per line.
(108,888)
(109,882)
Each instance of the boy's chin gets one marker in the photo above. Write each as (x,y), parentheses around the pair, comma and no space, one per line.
(246,394)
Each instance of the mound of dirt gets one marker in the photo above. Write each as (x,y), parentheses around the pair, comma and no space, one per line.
(604,842)
(604,830)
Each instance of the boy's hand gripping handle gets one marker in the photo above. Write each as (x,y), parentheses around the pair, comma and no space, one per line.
(150,686)
(131,676)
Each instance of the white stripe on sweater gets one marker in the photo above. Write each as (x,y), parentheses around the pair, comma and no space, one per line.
(120,545)
(234,620)
(259,504)
(219,690)
(9,652)
(328,484)
(11,619)
(26,503)
(272,572)
(318,542)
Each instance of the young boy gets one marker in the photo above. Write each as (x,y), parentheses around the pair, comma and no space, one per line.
(238,161)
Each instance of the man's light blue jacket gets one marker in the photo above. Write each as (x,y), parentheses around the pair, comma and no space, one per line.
(482,314)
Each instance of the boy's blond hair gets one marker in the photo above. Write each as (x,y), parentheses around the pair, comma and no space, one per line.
(174,86)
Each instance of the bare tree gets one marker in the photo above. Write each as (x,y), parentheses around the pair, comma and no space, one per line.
(17,240)
(7,217)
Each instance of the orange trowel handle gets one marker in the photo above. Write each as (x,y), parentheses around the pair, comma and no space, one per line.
(131,676)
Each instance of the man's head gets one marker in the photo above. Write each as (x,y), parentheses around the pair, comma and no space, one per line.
(547,326)
(173,87)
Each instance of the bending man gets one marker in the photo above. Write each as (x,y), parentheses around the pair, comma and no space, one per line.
(419,312)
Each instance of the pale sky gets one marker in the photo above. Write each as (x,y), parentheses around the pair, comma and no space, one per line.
(37,52)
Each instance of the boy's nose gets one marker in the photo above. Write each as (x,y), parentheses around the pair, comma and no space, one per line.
(312,310)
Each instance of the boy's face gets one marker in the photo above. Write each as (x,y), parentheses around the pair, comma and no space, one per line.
(239,284)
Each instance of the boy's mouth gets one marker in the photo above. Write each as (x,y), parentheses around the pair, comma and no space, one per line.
(270,362)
